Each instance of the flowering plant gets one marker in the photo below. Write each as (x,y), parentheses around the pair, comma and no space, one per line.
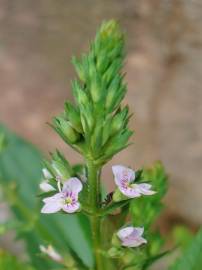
(96,126)
(80,225)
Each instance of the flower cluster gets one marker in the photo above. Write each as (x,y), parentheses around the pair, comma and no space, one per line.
(67,199)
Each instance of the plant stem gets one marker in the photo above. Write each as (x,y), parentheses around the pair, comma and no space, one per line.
(94,200)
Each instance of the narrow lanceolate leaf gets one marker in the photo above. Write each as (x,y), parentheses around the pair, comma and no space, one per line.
(112,207)
(191,259)
(20,177)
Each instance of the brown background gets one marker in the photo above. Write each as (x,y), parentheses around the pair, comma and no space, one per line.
(164,75)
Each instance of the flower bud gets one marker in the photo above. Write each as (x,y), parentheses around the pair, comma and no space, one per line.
(79,93)
(73,116)
(113,92)
(61,166)
(79,69)
(95,88)
(111,29)
(115,241)
(119,121)
(118,196)
(128,257)
(113,69)
(87,117)
(66,130)
(115,252)
(102,62)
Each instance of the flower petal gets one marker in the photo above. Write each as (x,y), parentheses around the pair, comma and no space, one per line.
(54,198)
(137,232)
(53,204)
(50,208)
(145,189)
(122,173)
(125,232)
(72,185)
(71,208)
(134,242)
(131,192)
(45,186)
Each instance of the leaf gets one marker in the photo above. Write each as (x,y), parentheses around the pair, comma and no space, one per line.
(191,259)
(155,258)
(151,206)
(182,236)
(112,207)
(8,262)
(22,163)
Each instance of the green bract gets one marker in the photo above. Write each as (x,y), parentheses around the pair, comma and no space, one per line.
(96,125)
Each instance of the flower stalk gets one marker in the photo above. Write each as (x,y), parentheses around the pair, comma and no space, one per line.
(95,202)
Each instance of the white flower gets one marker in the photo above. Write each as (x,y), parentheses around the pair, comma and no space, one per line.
(51,252)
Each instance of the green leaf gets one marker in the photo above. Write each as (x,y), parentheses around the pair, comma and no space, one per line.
(21,164)
(151,206)
(112,207)
(191,259)
(8,262)
(182,236)
(155,258)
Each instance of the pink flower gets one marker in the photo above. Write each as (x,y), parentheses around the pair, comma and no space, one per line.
(124,178)
(131,236)
(66,199)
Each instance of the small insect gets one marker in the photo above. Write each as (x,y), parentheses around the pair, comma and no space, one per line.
(108,199)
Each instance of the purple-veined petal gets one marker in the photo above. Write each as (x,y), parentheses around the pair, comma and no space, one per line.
(125,232)
(145,189)
(137,231)
(54,198)
(134,242)
(72,185)
(130,191)
(71,207)
(45,186)
(122,173)
(50,208)
(131,236)
(53,204)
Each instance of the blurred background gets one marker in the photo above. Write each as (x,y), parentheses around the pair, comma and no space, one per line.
(164,76)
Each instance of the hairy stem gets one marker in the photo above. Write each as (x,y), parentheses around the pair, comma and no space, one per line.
(94,200)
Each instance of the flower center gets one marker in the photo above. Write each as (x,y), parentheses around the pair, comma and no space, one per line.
(68,200)
(131,185)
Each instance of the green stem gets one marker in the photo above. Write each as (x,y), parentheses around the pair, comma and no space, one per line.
(94,200)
